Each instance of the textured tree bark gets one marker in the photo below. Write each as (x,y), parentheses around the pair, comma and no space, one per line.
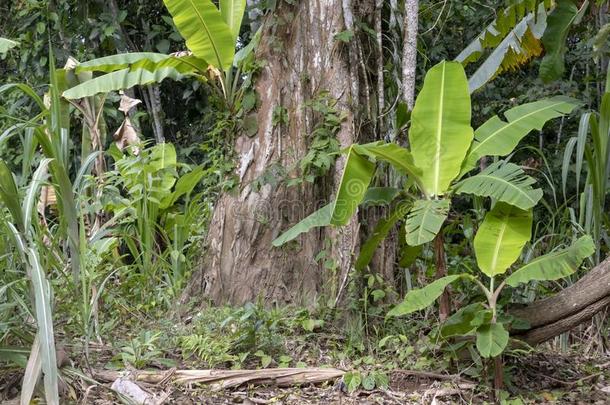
(380,82)
(239,263)
(409,51)
(570,307)
(156,110)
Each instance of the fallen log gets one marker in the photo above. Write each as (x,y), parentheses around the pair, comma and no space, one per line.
(567,309)
(220,379)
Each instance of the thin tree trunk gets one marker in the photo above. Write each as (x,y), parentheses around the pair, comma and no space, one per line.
(498,377)
(380,83)
(156,111)
(409,51)
(441,271)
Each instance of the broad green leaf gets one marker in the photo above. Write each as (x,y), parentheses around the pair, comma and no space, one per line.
(143,60)
(319,218)
(499,138)
(357,175)
(505,182)
(421,298)
(202,26)
(352,379)
(459,324)
(10,196)
(184,185)
(6,45)
(501,237)
(440,133)
(121,80)
(399,157)
(425,220)
(482,317)
(555,265)
(44,321)
(233,12)
(379,233)
(517,47)
(162,156)
(554,39)
(353,189)
(491,339)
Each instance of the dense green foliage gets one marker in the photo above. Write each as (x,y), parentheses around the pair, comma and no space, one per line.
(118,122)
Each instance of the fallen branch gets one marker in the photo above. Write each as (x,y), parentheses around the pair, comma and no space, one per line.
(220,379)
(432,376)
(568,308)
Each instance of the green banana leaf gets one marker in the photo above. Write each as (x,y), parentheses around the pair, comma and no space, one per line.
(397,156)
(554,39)
(499,29)
(459,324)
(233,12)
(501,237)
(499,138)
(319,218)
(143,60)
(555,265)
(184,185)
(440,133)
(353,191)
(425,220)
(518,46)
(206,33)
(491,339)
(121,80)
(357,175)
(505,182)
(421,298)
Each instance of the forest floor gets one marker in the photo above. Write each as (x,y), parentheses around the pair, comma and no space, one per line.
(411,375)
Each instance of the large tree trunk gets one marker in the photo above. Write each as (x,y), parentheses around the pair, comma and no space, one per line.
(239,264)
(570,307)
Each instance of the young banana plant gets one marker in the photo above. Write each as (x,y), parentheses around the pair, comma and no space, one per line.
(497,245)
(210,33)
(444,148)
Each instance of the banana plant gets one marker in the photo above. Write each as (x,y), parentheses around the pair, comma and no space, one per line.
(513,38)
(524,30)
(210,33)
(497,245)
(444,149)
